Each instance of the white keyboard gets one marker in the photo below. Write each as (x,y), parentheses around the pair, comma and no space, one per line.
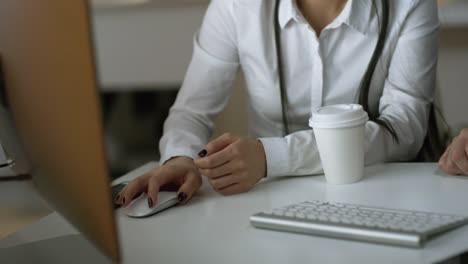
(357,222)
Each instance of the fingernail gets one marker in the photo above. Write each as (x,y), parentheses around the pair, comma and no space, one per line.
(202,153)
(123,200)
(117,198)
(182,197)
(150,202)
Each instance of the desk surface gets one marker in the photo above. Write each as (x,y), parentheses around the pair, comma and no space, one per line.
(18,210)
(215,229)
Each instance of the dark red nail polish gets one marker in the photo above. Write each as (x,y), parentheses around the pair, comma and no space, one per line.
(150,202)
(123,200)
(182,197)
(202,153)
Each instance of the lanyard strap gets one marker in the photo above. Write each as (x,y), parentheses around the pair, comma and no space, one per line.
(367,79)
(365,82)
(284,103)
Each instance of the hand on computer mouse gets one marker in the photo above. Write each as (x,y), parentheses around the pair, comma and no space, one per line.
(455,159)
(179,171)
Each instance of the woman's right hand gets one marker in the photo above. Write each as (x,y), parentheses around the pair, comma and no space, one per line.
(178,171)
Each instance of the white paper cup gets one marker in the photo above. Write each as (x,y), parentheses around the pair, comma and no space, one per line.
(339,132)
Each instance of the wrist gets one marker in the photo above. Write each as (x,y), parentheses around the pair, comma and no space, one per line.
(179,160)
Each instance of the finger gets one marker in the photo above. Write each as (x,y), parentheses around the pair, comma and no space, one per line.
(222,170)
(189,187)
(218,144)
(223,182)
(217,159)
(160,177)
(450,167)
(443,160)
(133,188)
(234,189)
(459,156)
(119,198)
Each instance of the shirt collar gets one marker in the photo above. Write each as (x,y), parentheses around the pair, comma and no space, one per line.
(360,15)
(356,14)
(288,11)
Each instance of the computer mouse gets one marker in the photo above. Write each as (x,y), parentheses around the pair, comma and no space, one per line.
(139,206)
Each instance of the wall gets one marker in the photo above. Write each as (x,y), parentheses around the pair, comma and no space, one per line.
(453,76)
(145,46)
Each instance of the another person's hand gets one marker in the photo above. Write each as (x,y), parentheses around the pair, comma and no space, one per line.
(178,172)
(232,164)
(455,159)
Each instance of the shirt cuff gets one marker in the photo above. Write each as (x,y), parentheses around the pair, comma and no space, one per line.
(277,158)
(177,153)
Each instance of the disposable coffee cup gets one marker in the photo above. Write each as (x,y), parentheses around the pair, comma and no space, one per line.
(339,132)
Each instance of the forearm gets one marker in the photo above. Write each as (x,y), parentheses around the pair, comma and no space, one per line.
(185,134)
(297,154)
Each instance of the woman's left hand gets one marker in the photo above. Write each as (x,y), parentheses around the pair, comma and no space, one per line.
(232,164)
(455,159)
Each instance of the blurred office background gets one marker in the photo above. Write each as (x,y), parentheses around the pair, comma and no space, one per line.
(145,46)
(143,51)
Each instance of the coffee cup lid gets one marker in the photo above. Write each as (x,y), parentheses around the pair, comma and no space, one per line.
(338,116)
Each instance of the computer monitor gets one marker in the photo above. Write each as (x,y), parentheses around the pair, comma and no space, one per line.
(51,89)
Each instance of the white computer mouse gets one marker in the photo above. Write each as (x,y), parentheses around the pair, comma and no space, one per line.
(139,206)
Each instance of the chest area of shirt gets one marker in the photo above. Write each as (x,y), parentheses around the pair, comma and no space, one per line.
(328,66)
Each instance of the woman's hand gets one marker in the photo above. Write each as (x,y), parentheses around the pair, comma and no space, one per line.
(232,164)
(179,172)
(455,159)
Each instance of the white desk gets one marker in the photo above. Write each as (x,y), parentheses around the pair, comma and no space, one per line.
(216,229)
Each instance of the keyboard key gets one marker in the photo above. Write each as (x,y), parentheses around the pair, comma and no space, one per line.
(346,221)
(301,215)
(368,223)
(312,217)
(278,212)
(289,214)
(323,218)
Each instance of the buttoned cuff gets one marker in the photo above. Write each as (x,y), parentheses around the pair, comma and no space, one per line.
(277,158)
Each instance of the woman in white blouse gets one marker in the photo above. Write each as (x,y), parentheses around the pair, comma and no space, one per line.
(325,47)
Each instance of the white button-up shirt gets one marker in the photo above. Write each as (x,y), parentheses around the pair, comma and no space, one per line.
(318,70)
